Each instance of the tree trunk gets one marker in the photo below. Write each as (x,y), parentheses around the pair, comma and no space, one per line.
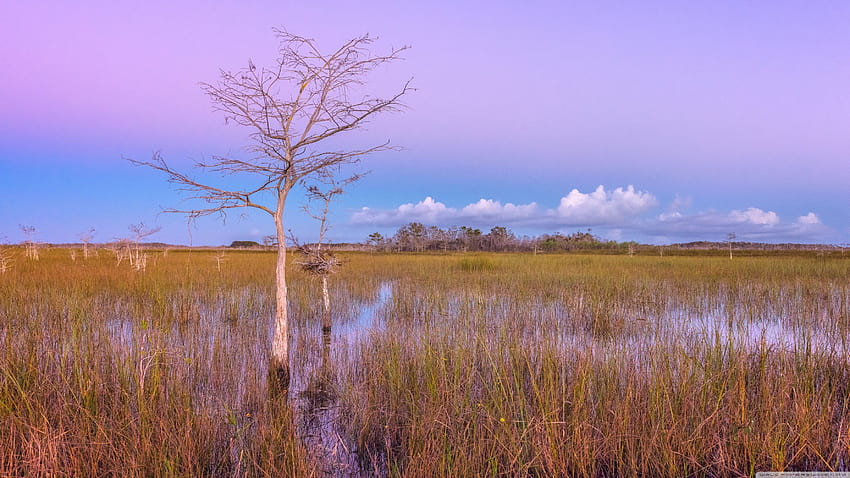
(326,298)
(280,338)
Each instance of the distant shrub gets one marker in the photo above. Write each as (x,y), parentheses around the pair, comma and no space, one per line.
(244,244)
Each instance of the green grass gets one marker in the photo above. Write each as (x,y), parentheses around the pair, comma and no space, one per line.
(481,365)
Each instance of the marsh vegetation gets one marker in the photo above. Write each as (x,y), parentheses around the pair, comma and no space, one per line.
(435,365)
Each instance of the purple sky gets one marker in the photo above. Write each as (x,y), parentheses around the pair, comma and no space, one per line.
(652,121)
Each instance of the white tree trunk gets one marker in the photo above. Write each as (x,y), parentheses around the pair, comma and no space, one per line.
(326,298)
(280,336)
(280,339)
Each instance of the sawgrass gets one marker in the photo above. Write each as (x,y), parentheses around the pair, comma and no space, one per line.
(478,365)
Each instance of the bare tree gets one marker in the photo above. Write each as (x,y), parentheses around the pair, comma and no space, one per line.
(317,261)
(219,258)
(291,109)
(31,246)
(87,237)
(140,231)
(122,248)
(730,238)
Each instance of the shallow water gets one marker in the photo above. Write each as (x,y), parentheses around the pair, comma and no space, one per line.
(322,360)
(314,388)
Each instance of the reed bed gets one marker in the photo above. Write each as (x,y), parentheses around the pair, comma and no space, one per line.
(436,365)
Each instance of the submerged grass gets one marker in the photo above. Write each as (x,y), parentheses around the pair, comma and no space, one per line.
(484,365)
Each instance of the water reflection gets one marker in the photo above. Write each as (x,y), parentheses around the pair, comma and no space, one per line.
(316,400)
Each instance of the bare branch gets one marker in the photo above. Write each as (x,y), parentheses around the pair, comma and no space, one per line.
(220,199)
(289,109)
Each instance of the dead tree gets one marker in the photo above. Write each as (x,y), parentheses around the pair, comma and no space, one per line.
(86,238)
(730,238)
(30,245)
(315,260)
(219,258)
(121,248)
(140,231)
(290,108)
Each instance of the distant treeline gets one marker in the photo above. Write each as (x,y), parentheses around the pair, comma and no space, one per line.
(760,246)
(416,237)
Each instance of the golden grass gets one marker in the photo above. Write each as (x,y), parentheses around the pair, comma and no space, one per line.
(479,365)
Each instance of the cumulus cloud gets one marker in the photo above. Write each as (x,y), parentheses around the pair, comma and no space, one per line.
(618,213)
(604,208)
(712,223)
(755,215)
(430,212)
(751,224)
(599,207)
(488,209)
(810,218)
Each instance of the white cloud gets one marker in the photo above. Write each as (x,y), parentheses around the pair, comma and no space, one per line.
(619,213)
(427,211)
(751,224)
(599,207)
(810,218)
(490,209)
(755,215)
(604,208)
(432,212)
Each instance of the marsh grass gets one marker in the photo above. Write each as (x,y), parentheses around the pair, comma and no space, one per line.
(606,366)
(475,264)
(484,365)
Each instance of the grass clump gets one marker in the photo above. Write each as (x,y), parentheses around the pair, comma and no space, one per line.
(476,264)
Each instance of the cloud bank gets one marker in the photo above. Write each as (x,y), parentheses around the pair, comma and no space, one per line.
(604,208)
(597,208)
(621,211)
(431,212)
(749,224)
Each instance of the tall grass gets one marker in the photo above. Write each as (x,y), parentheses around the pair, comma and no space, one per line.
(607,366)
(108,371)
(485,365)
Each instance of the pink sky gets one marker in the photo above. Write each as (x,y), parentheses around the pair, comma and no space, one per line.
(732,105)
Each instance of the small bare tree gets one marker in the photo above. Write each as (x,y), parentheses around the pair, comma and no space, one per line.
(291,108)
(219,258)
(30,245)
(315,260)
(86,238)
(139,260)
(121,248)
(730,238)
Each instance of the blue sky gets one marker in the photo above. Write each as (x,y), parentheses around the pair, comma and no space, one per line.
(652,121)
